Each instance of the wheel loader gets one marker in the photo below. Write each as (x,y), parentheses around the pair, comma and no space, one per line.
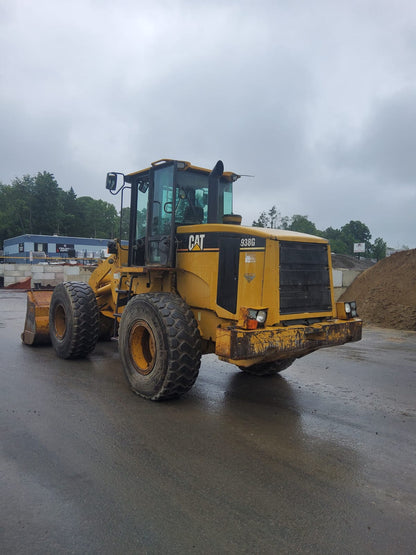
(192,280)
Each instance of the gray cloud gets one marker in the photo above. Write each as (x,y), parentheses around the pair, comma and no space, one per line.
(386,145)
(315,101)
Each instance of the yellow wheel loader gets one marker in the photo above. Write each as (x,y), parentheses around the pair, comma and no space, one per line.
(192,280)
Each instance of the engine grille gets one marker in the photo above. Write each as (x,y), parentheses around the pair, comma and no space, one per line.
(304,278)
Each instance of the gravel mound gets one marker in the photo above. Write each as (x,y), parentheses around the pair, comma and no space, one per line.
(350,262)
(386,292)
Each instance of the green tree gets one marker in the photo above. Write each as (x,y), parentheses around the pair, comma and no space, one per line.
(336,240)
(15,207)
(37,205)
(5,216)
(71,220)
(46,205)
(303,225)
(272,219)
(356,232)
(125,223)
(21,204)
(378,249)
(99,218)
(341,240)
(262,221)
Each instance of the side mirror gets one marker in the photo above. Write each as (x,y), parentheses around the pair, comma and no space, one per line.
(111,181)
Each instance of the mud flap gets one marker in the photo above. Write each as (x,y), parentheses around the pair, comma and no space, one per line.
(36,330)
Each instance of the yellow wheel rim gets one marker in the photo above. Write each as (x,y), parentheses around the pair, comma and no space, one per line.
(142,347)
(60,322)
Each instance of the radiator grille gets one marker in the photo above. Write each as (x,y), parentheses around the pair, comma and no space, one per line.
(304,278)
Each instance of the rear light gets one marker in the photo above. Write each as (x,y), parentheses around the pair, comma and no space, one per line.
(261,316)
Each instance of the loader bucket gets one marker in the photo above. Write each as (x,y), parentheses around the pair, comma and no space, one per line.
(36,330)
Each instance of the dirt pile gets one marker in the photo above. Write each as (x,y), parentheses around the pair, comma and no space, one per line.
(386,292)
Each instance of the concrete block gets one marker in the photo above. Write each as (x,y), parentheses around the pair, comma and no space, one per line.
(71,271)
(348,276)
(337,278)
(50,282)
(9,280)
(48,275)
(43,268)
(85,274)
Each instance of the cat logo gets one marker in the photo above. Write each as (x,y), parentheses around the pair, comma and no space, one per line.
(196,242)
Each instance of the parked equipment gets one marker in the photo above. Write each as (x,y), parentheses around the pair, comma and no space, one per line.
(192,281)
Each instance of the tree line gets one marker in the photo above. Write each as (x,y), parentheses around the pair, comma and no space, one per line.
(37,205)
(341,240)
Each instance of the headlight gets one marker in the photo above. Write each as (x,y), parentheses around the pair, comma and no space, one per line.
(253,318)
(261,316)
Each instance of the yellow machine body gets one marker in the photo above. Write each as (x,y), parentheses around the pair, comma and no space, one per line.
(225,331)
(258,296)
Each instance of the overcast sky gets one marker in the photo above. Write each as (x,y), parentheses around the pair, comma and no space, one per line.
(316,99)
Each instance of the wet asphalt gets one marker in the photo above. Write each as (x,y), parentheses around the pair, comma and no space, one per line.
(318,460)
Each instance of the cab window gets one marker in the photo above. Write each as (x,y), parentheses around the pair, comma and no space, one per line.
(191,198)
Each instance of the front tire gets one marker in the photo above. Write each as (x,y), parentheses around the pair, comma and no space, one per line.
(268,368)
(73,319)
(160,346)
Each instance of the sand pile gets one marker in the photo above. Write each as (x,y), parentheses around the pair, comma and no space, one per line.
(386,292)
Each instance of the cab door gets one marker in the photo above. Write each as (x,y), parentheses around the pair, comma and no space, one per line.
(161,218)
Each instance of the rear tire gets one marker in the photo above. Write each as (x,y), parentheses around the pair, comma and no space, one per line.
(160,346)
(268,368)
(73,319)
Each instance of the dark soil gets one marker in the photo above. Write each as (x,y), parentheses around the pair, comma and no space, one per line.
(386,292)
(350,262)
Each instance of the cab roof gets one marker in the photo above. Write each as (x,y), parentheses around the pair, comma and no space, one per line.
(183,165)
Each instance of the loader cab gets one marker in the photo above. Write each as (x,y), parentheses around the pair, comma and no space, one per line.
(169,194)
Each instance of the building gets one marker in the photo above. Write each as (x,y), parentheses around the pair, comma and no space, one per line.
(40,248)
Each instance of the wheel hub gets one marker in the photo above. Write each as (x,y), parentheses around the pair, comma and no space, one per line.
(60,321)
(142,347)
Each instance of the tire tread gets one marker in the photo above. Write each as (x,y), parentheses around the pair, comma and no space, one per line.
(85,318)
(184,344)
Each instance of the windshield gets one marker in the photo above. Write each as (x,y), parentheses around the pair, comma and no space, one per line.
(192,198)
